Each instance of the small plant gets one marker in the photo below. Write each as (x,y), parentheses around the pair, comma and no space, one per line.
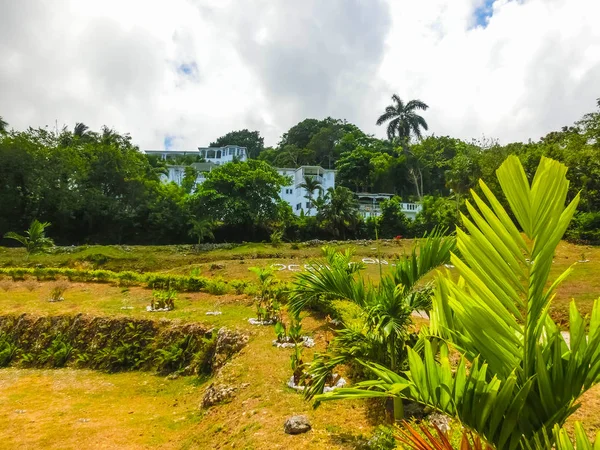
(58,353)
(269,296)
(295,246)
(276,238)
(34,239)
(295,333)
(195,272)
(8,350)
(297,363)
(280,332)
(163,300)
(57,291)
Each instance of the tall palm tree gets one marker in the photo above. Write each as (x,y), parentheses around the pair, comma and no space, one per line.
(310,184)
(3,125)
(404,123)
(80,129)
(403,120)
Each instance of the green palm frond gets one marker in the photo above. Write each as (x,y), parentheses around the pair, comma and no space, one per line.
(523,380)
(35,239)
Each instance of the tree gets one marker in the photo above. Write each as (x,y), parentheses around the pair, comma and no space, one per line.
(34,240)
(252,140)
(393,222)
(354,169)
(339,213)
(523,379)
(3,125)
(405,123)
(378,332)
(403,120)
(310,185)
(241,194)
(202,229)
(189,179)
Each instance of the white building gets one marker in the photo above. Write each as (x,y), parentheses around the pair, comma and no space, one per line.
(215,155)
(369,205)
(293,193)
(176,173)
(296,195)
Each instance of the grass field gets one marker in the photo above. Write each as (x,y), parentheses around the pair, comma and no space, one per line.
(69,408)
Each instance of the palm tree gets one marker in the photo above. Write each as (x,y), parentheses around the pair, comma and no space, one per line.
(380,333)
(310,184)
(34,240)
(339,212)
(3,125)
(404,122)
(517,380)
(202,229)
(80,130)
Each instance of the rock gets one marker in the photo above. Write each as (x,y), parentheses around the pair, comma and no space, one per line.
(297,425)
(228,343)
(440,420)
(217,393)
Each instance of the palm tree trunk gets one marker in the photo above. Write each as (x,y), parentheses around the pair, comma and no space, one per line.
(398,405)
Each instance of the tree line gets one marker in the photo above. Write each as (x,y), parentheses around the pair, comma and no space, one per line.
(97,187)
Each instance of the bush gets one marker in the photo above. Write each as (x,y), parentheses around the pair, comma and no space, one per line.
(217,287)
(239,286)
(585,228)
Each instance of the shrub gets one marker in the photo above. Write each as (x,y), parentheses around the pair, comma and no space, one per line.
(239,286)
(151,280)
(585,228)
(217,287)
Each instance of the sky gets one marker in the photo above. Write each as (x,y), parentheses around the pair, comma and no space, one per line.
(181,73)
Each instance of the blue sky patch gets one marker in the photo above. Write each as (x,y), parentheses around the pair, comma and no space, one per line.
(483,13)
(168,141)
(189,70)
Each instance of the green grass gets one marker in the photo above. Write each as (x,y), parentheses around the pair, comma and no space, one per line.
(173,258)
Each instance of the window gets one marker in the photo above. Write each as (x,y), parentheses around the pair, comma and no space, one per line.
(298,206)
(308,205)
(288,191)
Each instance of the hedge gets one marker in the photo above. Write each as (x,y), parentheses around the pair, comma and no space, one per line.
(105,343)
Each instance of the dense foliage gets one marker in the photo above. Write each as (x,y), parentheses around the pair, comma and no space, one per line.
(97,187)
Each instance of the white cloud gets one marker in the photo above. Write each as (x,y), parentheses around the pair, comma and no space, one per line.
(266,65)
